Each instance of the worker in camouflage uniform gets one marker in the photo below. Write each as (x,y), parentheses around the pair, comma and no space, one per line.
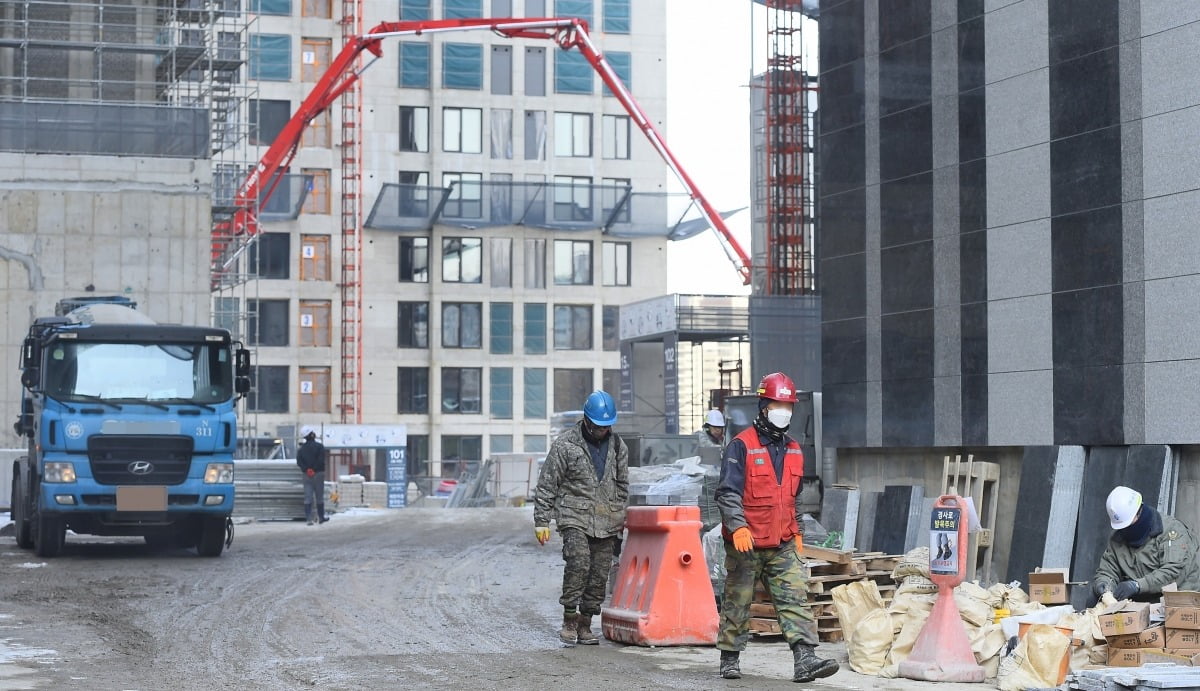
(758,496)
(713,432)
(584,487)
(1147,551)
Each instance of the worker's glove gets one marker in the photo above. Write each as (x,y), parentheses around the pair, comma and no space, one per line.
(542,533)
(743,541)
(310,472)
(1099,587)
(799,543)
(1126,590)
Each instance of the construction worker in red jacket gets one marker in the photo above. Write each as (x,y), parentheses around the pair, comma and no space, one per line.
(760,518)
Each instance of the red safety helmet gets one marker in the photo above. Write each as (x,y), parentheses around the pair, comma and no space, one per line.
(777,386)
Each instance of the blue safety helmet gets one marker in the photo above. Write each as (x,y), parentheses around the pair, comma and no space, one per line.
(600,409)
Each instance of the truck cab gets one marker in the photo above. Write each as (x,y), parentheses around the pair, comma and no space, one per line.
(131,429)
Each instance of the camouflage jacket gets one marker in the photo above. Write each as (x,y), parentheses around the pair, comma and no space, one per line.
(569,492)
(702,440)
(1168,557)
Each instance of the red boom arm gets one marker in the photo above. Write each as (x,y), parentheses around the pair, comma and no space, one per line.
(567,33)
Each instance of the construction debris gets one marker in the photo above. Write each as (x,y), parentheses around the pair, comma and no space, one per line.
(1144,678)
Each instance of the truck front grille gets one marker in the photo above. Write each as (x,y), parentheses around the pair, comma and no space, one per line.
(131,459)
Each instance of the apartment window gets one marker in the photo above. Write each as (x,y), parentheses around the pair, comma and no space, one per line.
(462,66)
(615,261)
(572,327)
(466,196)
(535,393)
(535,443)
(502,70)
(614,137)
(573,134)
(412,390)
(317,199)
(610,381)
(315,323)
(270,391)
(317,133)
(417,453)
(411,10)
(414,260)
(225,315)
(270,256)
(457,450)
(414,129)
(574,8)
(535,263)
(535,135)
(314,390)
(500,210)
(314,58)
(413,325)
(535,71)
(611,329)
(616,17)
(501,133)
(280,7)
(267,119)
(572,262)
(462,9)
(501,443)
(615,201)
(572,73)
(500,327)
(501,262)
(535,328)
(414,65)
(501,393)
(622,64)
(314,257)
(571,388)
(535,8)
(267,322)
(462,260)
(462,389)
(320,9)
(413,194)
(572,198)
(462,130)
(271,57)
(462,325)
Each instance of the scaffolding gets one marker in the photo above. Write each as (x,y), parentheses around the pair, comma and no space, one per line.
(352,215)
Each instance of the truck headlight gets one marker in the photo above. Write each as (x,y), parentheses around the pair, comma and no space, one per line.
(58,471)
(218,473)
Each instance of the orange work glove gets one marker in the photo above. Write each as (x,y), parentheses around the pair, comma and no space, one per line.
(310,472)
(799,543)
(542,533)
(743,541)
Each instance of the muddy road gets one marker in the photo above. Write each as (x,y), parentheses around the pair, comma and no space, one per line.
(419,598)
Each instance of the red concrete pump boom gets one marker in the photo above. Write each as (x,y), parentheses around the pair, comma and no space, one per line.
(567,33)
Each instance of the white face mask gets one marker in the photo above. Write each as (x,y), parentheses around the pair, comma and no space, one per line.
(780,417)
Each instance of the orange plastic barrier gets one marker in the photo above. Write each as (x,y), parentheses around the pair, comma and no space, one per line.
(662,595)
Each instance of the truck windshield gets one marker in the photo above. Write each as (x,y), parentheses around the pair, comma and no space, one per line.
(183,372)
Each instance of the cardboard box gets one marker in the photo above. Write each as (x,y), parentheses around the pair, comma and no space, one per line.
(1049,586)
(1192,655)
(1183,639)
(1183,617)
(1124,618)
(1153,637)
(1144,656)
(1181,598)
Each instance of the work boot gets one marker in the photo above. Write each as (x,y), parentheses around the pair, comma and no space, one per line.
(583,628)
(321,517)
(729,665)
(568,633)
(808,666)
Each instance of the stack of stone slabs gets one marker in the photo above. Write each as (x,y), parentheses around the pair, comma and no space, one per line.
(1047,505)
(839,513)
(1149,469)
(899,517)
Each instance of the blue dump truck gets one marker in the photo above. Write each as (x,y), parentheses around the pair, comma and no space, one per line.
(131,427)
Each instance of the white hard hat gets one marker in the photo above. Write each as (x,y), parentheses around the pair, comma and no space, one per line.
(714,419)
(1123,504)
(306,430)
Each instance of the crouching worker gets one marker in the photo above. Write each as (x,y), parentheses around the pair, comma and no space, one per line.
(1147,551)
(584,487)
(760,518)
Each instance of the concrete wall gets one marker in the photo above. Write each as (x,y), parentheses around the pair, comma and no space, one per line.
(74,225)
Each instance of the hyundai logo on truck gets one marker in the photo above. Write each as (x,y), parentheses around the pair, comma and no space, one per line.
(141,467)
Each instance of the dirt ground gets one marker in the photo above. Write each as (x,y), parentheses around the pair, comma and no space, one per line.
(414,598)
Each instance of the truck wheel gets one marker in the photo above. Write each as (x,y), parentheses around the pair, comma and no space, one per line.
(212,537)
(49,537)
(20,514)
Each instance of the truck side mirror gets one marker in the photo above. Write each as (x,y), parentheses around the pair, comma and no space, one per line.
(241,365)
(30,377)
(29,354)
(241,385)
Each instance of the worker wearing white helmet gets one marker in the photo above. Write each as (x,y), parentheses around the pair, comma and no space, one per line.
(1147,551)
(713,433)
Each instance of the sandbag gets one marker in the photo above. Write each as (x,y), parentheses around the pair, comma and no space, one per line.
(916,584)
(974,612)
(914,563)
(903,603)
(868,647)
(987,642)
(852,602)
(1036,661)
(902,642)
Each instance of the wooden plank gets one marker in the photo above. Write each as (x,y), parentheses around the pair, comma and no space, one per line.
(764,626)
(762,609)
(835,556)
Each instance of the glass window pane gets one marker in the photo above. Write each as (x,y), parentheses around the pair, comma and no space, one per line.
(472,325)
(414,9)
(450,325)
(271,57)
(501,392)
(282,7)
(500,327)
(616,16)
(611,330)
(414,65)
(535,393)
(535,328)
(535,443)
(472,390)
(462,66)
(463,9)
(563,268)
(502,443)
(572,73)
(452,129)
(574,8)
(472,130)
(622,64)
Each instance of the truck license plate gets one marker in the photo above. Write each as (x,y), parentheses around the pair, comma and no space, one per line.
(149,498)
